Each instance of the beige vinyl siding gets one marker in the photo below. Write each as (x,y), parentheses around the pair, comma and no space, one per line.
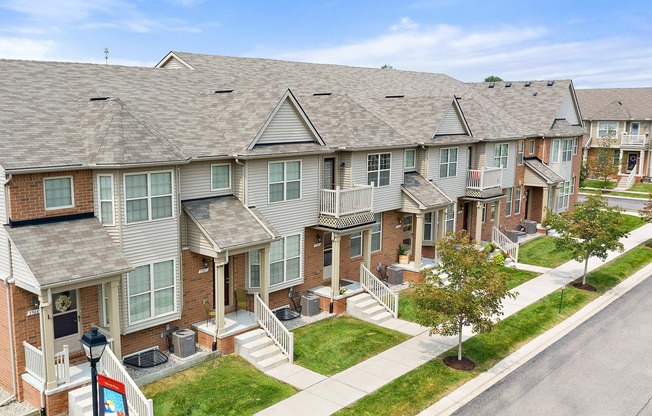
(451,123)
(149,241)
(531,179)
(21,271)
(196,181)
(197,241)
(454,187)
(345,174)
(174,63)
(286,126)
(114,230)
(386,198)
(567,109)
(238,179)
(510,172)
(421,162)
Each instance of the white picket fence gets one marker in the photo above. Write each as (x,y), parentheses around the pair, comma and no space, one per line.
(379,291)
(274,328)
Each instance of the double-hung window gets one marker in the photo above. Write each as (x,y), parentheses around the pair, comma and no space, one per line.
(554,155)
(567,150)
(378,169)
(508,202)
(428,219)
(501,153)
(356,244)
(105,196)
(521,149)
(562,198)
(254,268)
(58,193)
(410,159)
(285,259)
(616,159)
(152,289)
(531,142)
(284,181)
(517,200)
(148,196)
(448,162)
(449,220)
(220,177)
(575,145)
(377,232)
(607,128)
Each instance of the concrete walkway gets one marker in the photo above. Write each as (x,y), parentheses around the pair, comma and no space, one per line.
(322,395)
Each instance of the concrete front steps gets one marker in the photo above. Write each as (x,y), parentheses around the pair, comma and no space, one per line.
(259,349)
(80,401)
(364,307)
(622,184)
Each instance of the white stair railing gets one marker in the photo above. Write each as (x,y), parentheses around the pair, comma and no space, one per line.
(505,244)
(631,177)
(137,402)
(379,291)
(34,361)
(274,328)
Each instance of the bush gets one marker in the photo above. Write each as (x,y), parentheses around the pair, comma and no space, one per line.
(499,259)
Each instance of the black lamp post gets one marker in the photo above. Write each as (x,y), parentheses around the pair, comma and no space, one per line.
(94,344)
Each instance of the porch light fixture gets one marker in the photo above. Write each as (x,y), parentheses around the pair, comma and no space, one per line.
(94,344)
(318,238)
(35,302)
(399,221)
(205,263)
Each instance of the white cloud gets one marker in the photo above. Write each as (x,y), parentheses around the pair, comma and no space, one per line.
(62,10)
(513,53)
(22,48)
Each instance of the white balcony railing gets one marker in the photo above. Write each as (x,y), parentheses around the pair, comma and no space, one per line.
(340,202)
(379,291)
(638,140)
(137,402)
(62,366)
(485,178)
(274,328)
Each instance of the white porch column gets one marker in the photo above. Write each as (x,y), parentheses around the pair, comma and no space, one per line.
(219,298)
(640,162)
(264,275)
(478,221)
(114,317)
(418,240)
(441,223)
(335,274)
(544,204)
(620,162)
(47,343)
(366,246)
(498,213)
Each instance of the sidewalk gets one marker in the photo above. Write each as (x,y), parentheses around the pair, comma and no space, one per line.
(322,395)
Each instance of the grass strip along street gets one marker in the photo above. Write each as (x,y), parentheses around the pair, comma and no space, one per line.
(425,385)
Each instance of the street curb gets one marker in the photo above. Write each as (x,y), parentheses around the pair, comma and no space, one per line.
(467,392)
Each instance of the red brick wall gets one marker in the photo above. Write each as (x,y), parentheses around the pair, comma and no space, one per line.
(27,197)
(26,328)
(5,343)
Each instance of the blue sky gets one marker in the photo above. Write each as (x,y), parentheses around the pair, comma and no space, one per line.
(595,43)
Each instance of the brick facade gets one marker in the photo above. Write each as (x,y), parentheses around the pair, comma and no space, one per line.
(26,195)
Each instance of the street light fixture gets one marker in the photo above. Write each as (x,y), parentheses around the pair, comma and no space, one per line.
(94,344)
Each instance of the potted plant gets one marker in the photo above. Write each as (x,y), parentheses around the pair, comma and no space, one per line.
(403,256)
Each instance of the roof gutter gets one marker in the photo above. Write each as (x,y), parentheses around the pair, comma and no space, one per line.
(85,167)
(87,278)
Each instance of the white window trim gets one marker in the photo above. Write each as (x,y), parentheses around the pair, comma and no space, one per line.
(100,200)
(377,183)
(520,152)
(555,155)
(72,193)
(380,232)
(356,235)
(230,180)
(532,146)
(286,282)
(285,181)
(517,200)
(566,153)
(607,123)
(499,157)
(151,291)
(509,193)
(260,269)
(452,212)
(149,196)
(414,159)
(448,162)
(575,145)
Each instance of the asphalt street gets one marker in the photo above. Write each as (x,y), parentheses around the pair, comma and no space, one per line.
(603,367)
(628,204)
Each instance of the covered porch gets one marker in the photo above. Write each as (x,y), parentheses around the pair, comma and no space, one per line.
(542,185)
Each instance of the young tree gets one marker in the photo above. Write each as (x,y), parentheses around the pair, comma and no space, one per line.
(471,293)
(646,212)
(602,164)
(592,229)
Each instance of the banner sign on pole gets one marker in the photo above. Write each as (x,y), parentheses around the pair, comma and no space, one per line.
(113,400)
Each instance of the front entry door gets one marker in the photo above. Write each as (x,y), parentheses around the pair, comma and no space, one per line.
(634,129)
(632,159)
(66,321)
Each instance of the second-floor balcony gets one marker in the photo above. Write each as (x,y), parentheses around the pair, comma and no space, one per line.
(484,183)
(343,208)
(638,141)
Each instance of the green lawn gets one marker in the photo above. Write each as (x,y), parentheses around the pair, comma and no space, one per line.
(641,187)
(632,222)
(407,310)
(332,345)
(542,252)
(223,386)
(425,385)
(599,184)
(610,193)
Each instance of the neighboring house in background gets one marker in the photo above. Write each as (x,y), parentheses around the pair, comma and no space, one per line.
(130,195)
(625,115)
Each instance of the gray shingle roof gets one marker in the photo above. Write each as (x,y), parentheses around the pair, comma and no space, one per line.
(229,223)
(65,251)
(615,103)
(424,192)
(542,170)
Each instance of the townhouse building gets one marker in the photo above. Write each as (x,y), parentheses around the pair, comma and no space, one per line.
(624,116)
(131,195)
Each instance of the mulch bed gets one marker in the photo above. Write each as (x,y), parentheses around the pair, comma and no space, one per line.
(584,287)
(464,364)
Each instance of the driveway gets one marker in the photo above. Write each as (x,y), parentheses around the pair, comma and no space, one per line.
(602,367)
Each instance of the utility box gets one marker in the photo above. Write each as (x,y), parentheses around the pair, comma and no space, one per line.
(394,275)
(309,304)
(513,235)
(184,342)
(530,226)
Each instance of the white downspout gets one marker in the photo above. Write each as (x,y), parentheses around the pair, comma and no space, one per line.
(12,350)
(215,265)
(41,306)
